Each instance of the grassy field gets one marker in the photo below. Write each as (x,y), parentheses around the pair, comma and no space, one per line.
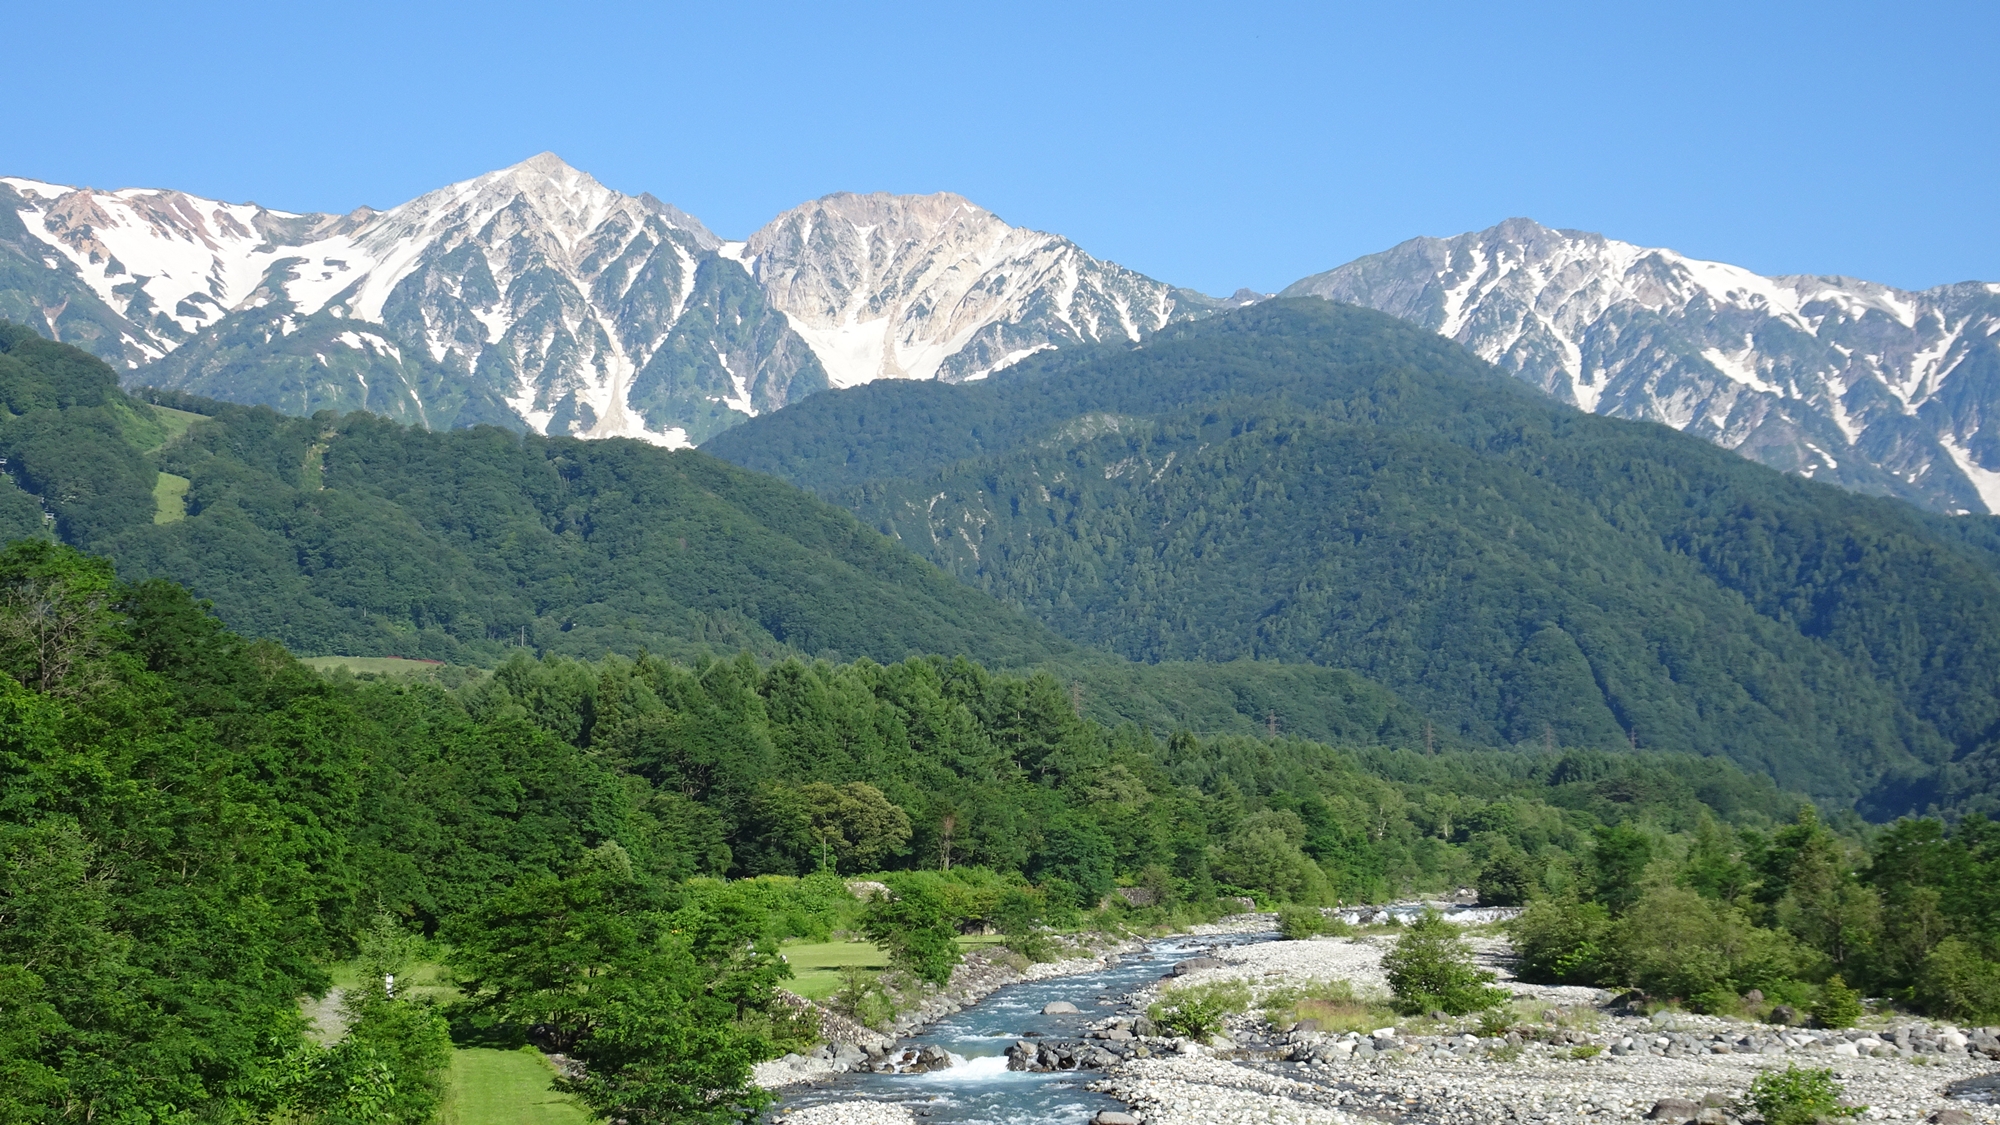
(380,665)
(816,965)
(174,422)
(493,1087)
(170,498)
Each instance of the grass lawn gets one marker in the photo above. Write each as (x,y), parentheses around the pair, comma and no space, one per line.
(816,965)
(425,978)
(493,1087)
(174,422)
(380,665)
(170,498)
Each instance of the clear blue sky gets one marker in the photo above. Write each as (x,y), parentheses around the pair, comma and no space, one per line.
(1213,146)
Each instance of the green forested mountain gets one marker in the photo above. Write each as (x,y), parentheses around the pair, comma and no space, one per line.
(1307,482)
(356,536)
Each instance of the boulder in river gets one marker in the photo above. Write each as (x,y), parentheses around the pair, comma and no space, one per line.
(1059,1008)
(1195,965)
(1114,1117)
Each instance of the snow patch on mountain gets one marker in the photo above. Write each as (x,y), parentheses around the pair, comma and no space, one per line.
(1831,377)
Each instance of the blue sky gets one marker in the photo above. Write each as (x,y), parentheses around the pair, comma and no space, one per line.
(1214,146)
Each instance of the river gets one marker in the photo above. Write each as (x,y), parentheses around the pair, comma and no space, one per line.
(979,1089)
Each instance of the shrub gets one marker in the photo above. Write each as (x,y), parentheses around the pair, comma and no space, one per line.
(1431,968)
(1296,923)
(1585,1051)
(1563,941)
(915,927)
(862,998)
(1955,981)
(1798,1097)
(1495,1022)
(1199,1011)
(1838,1005)
(1674,942)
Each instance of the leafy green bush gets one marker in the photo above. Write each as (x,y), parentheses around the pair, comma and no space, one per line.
(1564,941)
(1674,942)
(1431,968)
(862,998)
(1955,981)
(1495,1022)
(913,924)
(1199,1011)
(1296,923)
(1838,1005)
(1799,1097)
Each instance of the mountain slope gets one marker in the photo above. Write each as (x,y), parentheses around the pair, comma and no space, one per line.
(1877,389)
(1311,482)
(932,286)
(537,298)
(358,536)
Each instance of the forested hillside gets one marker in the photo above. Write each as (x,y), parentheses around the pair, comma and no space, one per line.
(195,826)
(355,536)
(1307,482)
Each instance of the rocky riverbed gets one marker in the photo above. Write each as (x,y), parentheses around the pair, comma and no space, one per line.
(1569,1058)
(1573,1061)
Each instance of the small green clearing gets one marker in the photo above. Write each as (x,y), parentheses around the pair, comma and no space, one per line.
(170,498)
(422,979)
(494,1087)
(379,665)
(174,422)
(816,965)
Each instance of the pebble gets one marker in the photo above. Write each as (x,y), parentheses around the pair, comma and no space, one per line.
(852,1113)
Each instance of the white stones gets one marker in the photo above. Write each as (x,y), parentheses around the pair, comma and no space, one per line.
(858,1112)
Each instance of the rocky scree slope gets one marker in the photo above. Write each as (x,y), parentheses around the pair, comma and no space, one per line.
(538,298)
(1877,389)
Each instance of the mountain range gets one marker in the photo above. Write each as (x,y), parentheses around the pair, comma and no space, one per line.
(535,297)
(1877,389)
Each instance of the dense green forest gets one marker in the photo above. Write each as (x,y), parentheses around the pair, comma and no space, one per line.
(1313,483)
(353,536)
(195,826)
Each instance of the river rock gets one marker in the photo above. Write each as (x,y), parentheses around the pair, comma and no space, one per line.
(1674,1109)
(1195,965)
(1114,1117)
(1951,1117)
(1059,1008)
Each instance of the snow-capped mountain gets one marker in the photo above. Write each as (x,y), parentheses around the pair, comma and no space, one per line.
(537,296)
(1878,389)
(932,286)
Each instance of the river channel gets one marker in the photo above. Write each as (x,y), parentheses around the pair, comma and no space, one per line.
(979,1089)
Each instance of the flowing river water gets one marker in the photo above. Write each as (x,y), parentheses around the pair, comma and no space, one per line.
(979,1089)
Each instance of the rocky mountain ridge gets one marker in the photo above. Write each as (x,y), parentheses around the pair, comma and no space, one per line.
(536,297)
(1877,389)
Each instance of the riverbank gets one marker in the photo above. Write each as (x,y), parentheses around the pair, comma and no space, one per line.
(1573,1062)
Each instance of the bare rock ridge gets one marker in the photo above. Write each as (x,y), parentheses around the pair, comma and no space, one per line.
(1878,389)
(535,296)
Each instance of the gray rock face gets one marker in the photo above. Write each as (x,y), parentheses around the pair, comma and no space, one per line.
(1059,1008)
(1877,389)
